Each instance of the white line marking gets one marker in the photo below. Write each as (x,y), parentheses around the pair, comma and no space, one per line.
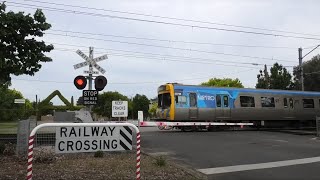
(228,169)
(280,140)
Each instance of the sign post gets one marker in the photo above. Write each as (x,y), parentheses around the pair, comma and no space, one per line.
(140,117)
(21,101)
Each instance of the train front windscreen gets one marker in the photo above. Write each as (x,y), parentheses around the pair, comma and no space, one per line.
(164,101)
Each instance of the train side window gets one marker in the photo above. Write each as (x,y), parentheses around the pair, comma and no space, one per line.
(267,102)
(225,101)
(291,103)
(308,103)
(285,102)
(218,98)
(181,100)
(247,101)
(193,99)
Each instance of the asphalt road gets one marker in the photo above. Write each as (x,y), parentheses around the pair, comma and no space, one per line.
(206,150)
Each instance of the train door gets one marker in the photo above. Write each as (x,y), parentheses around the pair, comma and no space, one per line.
(222,106)
(288,104)
(193,110)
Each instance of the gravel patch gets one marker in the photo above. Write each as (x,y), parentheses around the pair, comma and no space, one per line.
(85,166)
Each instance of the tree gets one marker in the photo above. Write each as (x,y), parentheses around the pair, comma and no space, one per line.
(225,82)
(311,74)
(279,78)
(263,79)
(9,111)
(153,109)
(21,53)
(104,104)
(80,101)
(140,103)
(47,107)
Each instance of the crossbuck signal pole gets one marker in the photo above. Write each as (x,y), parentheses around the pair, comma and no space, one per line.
(90,67)
(90,75)
(81,81)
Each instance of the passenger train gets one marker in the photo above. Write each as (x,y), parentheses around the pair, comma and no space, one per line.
(269,108)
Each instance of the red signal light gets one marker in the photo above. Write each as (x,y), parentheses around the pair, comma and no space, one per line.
(80,82)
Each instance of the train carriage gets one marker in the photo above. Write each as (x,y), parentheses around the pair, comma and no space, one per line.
(183,103)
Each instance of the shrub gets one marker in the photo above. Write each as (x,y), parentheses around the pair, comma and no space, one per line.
(9,149)
(160,161)
(2,147)
(44,156)
(98,154)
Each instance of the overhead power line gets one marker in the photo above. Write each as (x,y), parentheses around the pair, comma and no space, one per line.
(167,47)
(174,41)
(171,18)
(168,59)
(173,58)
(133,83)
(159,55)
(33,6)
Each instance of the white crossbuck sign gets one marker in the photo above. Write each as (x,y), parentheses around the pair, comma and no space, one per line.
(90,61)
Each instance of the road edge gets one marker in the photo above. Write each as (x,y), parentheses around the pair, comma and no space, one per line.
(188,169)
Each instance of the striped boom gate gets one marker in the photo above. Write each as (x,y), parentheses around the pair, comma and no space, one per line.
(150,124)
(89,137)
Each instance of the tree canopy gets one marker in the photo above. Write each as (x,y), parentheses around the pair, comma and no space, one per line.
(311,73)
(9,111)
(21,53)
(153,109)
(140,103)
(104,104)
(279,78)
(225,82)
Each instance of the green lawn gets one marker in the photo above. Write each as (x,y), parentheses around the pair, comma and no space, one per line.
(8,127)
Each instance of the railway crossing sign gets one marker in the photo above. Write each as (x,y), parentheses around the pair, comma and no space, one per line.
(90,61)
(91,139)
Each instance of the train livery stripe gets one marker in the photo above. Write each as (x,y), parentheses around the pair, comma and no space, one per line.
(246,90)
(172,106)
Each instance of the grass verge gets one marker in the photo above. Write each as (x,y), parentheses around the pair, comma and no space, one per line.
(8,127)
(85,166)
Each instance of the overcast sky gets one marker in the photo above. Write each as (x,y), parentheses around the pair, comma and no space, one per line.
(131,73)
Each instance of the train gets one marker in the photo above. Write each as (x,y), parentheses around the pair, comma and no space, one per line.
(262,107)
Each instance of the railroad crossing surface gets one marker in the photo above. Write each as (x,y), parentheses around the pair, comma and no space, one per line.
(244,155)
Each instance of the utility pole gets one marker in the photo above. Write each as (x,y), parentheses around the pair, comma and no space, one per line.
(36,107)
(300,64)
(301,69)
